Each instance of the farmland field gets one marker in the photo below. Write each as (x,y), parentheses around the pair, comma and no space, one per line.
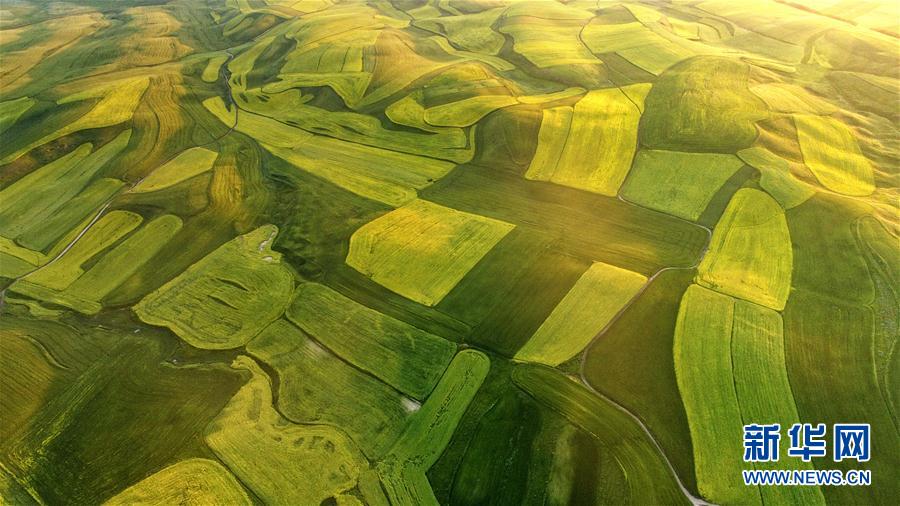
(461,252)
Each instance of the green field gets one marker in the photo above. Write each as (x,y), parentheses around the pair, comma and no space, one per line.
(680,184)
(456,252)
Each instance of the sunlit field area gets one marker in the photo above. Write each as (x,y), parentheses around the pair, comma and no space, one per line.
(457,252)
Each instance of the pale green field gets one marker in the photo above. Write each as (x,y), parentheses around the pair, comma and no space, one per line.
(680,184)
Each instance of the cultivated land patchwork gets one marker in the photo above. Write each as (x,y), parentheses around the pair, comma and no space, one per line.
(462,252)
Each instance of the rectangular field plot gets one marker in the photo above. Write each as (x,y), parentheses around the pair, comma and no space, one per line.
(703,367)
(585,225)
(591,304)
(750,253)
(591,146)
(681,184)
(730,364)
(422,250)
(399,354)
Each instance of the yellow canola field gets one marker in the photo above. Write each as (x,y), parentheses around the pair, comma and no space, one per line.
(189,482)
(597,297)
(591,146)
(750,254)
(186,165)
(422,250)
(833,155)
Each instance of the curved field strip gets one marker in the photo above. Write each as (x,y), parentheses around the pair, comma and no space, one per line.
(450,144)
(281,462)
(43,39)
(703,367)
(186,165)
(28,381)
(96,415)
(402,471)
(384,176)
(498,63)
(467,111)
(764,392)
(12,110)
(884,266)
(154,40)
(315,386)
(192,481)
(350,86)
(750,254)
(833,155)
(117,104)
(399,354)
(125,259)
(408,111)
(397,65)
(776,177)
(226,298)
(27,204)
(702,105)
(680,184)
(494,468)
(266,130)
(422,250)
(59,274)
(590,305)
(648,478)
(591,151)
